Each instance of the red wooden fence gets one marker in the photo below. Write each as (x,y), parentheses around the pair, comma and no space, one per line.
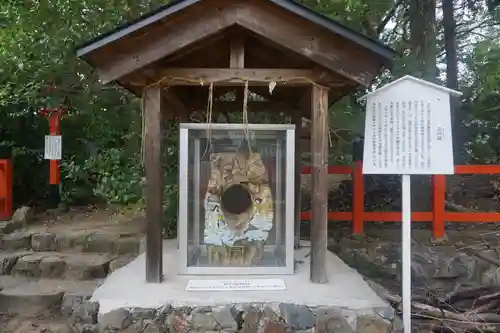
(5,189)
(437,217)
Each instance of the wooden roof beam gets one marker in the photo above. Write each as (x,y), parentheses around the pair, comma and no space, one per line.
(180,35)
(237,60)
(308,40)
(290,32)
(237,51)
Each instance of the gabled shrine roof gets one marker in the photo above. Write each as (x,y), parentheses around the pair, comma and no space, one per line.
(176,5)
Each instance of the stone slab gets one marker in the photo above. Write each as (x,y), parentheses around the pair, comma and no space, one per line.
(127,287)
(238,317)
(74,266)
(27,296)
(7,227)
(19,240)
(8,261)
(89,241)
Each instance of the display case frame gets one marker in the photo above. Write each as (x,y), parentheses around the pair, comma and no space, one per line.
(289,199)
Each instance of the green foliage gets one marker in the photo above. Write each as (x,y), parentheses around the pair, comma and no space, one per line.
(482,92)
(102,130)
(111,176)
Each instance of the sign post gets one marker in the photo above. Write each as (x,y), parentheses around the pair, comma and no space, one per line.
(408,132)
(53,151)
(53,141)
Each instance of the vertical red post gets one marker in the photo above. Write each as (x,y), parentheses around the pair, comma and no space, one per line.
(358,203)
(5,189)
(438,209)
(54,129)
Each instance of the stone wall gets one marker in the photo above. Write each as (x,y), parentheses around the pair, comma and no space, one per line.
(242,318)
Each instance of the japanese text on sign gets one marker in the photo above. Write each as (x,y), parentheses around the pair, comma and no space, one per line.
(53,147)
(410,136)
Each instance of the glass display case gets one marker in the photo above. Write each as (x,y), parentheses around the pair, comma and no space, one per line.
(236,199)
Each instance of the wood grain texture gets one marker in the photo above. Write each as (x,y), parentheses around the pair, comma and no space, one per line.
(301,36)
(297,120)
(319,196)
(228,77)
(154,183)
(181,33)
(237,52)
(296,37)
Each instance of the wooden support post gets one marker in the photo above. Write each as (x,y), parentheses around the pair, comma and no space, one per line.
(438,208)
(358,198)
(237,52)
(297,120)
(319,151)
(154,183)
(237,60)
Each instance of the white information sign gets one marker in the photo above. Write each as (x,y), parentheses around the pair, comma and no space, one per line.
(408,132)
(236,285)
(408,129)
(53,147)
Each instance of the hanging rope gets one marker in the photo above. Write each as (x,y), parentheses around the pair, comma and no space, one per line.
(210,105)
(168,80)
(245,116)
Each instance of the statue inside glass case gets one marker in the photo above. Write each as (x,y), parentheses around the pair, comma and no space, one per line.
(238,209)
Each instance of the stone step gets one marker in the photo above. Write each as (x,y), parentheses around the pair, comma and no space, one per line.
(75,240)
(69,266)
(29,296)
(8,227)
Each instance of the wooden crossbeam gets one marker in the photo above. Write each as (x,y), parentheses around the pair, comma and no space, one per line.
(230,107)
(255,77)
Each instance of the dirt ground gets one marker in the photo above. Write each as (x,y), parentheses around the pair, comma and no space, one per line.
(47,322)
(90,217)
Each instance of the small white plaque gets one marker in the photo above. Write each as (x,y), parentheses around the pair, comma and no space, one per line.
(408,130)
(236,285)
(53,147)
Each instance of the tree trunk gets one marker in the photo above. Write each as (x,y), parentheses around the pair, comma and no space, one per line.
(423,38)
(457,112)
(423,51)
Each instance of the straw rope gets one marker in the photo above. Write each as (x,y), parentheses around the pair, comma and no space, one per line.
(210,105)
(170,79)
(245,116)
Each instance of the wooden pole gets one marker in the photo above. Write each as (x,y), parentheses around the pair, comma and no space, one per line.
(438,206)
(154,183)
(297,120)
(358,197)
(319,151)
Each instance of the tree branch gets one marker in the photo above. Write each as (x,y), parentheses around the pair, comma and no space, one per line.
(388,17)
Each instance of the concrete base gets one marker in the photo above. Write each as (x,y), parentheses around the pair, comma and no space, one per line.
(126,287)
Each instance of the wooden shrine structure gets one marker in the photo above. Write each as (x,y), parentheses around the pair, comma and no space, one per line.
(173,55)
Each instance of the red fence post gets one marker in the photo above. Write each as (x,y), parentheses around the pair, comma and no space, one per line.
(438,209)
(5,189)
(358,202)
